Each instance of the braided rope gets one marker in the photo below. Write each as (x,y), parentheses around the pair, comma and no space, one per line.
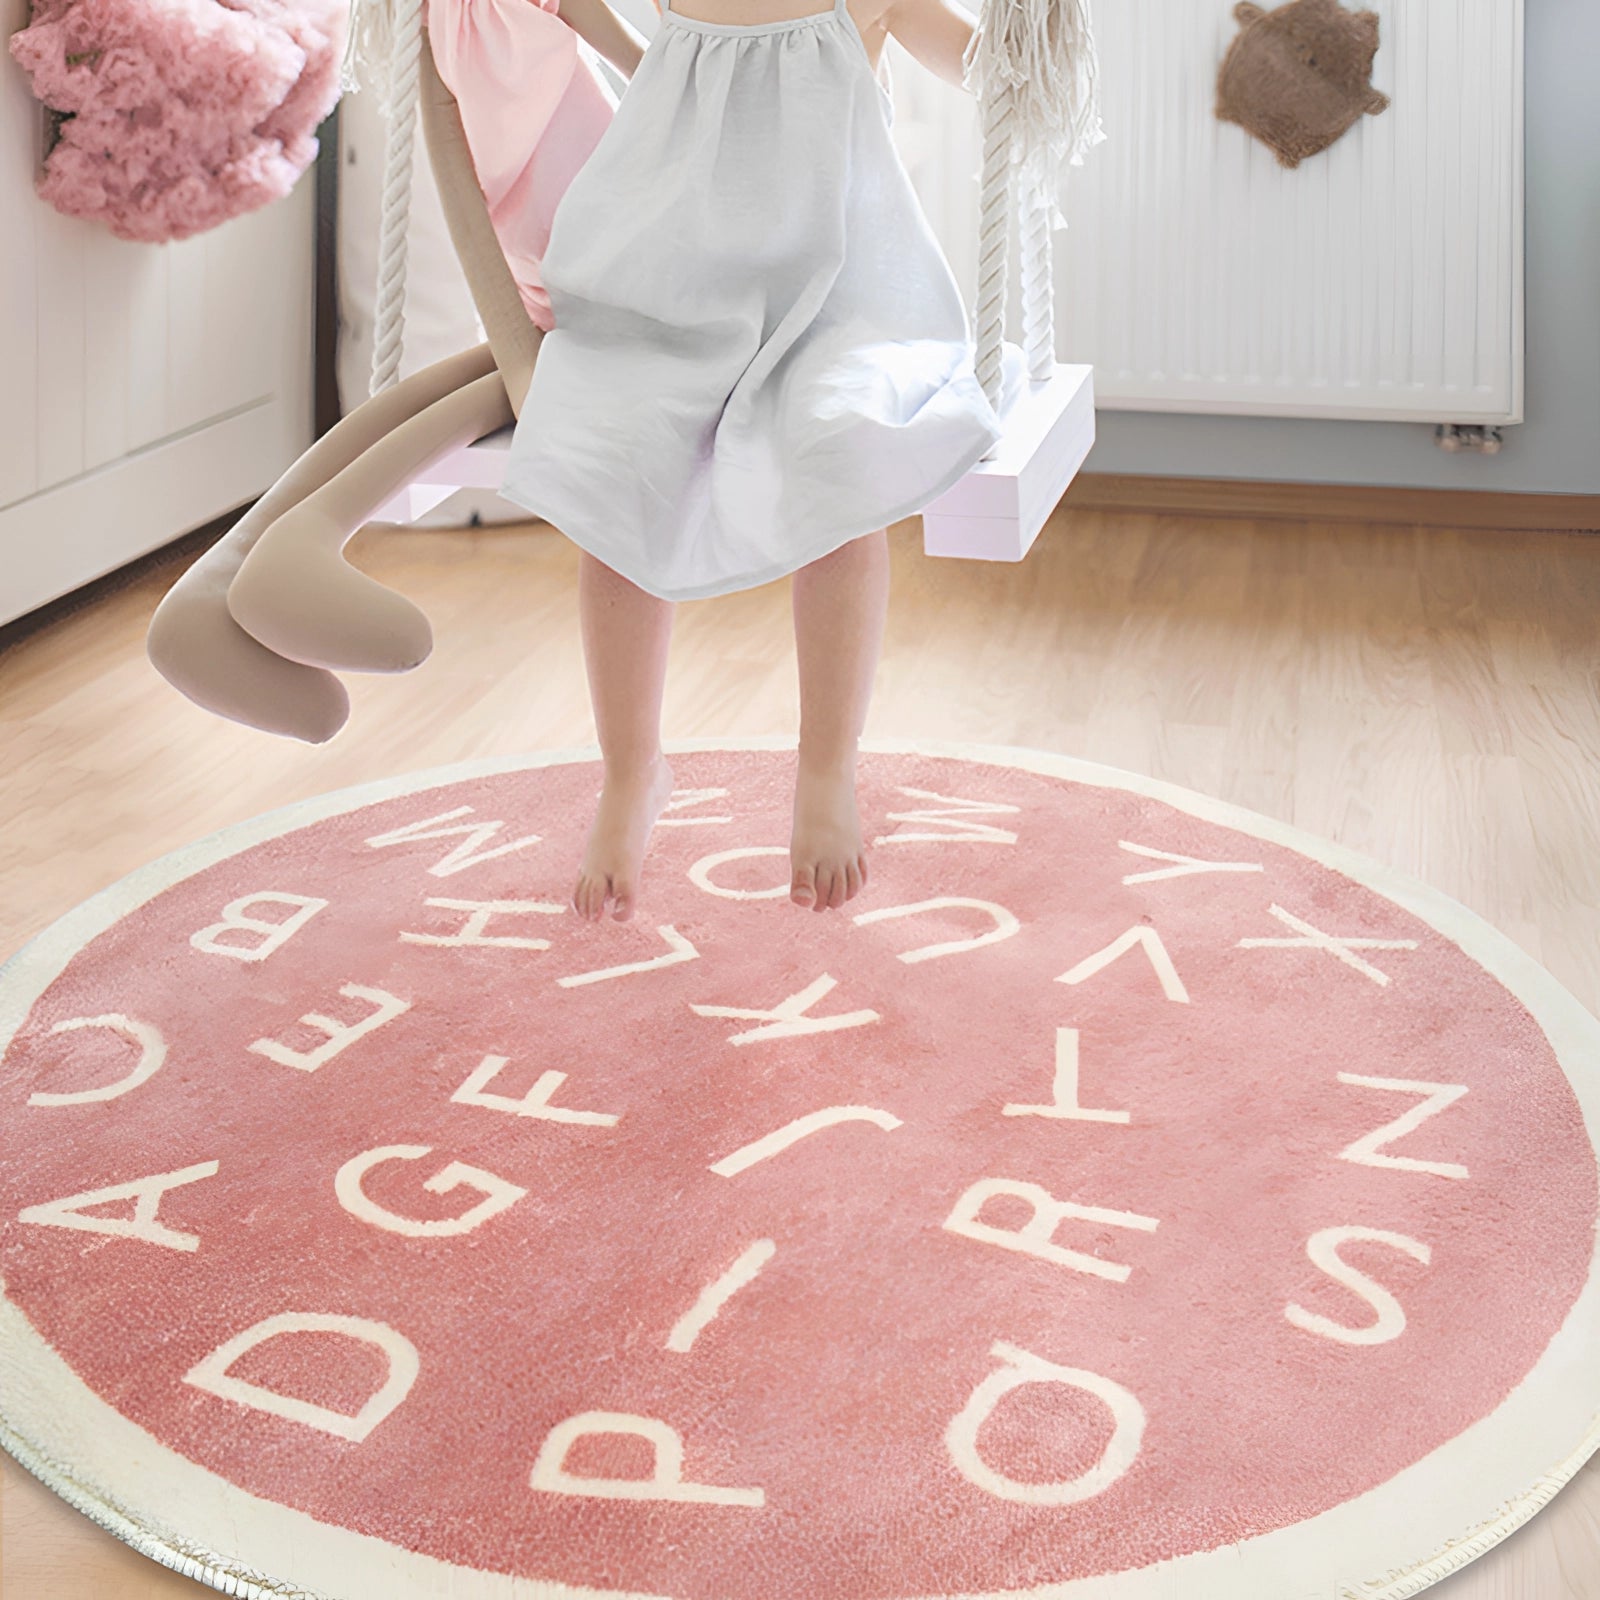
(994,227)
(1033,66)
(1038,292)
(399,149)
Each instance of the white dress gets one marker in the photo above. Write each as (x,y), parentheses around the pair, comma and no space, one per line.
(759,351)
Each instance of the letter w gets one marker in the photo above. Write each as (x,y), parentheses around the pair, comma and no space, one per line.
(468,853)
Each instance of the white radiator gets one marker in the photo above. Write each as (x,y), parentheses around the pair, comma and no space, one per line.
(1380,279)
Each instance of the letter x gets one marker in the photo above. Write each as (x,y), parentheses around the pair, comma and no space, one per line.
(1314,939)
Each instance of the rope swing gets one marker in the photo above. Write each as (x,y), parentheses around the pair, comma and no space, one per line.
(1031,66)
(390,31)
(1033,69)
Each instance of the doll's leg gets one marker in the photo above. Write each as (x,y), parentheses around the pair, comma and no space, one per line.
(295,591)
(625,637)
(195,643)
(512,334)
(840,603)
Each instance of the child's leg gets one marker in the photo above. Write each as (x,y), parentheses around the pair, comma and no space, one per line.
(625,637)
(840,603)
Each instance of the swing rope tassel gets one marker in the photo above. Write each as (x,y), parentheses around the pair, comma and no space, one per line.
(1033,68)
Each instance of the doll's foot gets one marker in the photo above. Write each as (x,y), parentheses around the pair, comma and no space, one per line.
(827,863)
(629,804)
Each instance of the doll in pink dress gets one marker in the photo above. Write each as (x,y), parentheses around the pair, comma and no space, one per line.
(533,107)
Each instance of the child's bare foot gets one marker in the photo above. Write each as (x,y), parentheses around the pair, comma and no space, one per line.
(628,808)
(828,865)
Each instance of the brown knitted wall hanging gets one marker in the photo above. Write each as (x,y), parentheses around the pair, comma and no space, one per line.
(1299,77)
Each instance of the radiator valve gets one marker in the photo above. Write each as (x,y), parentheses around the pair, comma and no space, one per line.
(1455,436)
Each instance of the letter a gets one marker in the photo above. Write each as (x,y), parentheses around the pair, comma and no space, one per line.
(666,1481)
(1022,1367)
(211,1373)
(146,1194)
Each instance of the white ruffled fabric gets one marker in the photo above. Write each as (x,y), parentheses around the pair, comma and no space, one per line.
(759,350)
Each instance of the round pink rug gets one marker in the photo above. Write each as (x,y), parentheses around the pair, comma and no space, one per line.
(1125,1196)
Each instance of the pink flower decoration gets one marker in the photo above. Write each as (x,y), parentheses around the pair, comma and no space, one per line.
(179,114)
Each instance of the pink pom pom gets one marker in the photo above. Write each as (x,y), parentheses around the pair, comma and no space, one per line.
(180,114)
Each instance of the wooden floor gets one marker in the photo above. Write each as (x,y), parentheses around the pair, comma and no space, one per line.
(1426,696)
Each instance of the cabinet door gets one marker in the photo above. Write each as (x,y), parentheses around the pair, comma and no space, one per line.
(144,389)
(20,132)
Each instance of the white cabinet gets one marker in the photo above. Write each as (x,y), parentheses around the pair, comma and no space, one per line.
(144,389)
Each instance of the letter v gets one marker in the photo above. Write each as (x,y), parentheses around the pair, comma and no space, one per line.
(1150,941)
